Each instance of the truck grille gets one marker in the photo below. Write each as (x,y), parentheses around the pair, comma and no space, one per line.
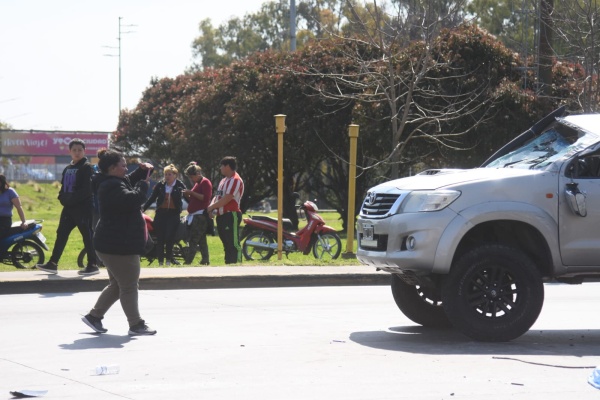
(378,204)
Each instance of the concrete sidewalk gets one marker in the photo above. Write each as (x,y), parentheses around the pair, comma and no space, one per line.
(35,281)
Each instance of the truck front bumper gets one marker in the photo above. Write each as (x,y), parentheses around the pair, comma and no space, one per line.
(402,242)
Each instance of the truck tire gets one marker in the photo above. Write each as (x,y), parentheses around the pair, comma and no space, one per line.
(419,304)
(494,293)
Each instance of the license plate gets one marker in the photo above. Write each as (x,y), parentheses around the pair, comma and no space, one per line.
(41,237)
(368,232)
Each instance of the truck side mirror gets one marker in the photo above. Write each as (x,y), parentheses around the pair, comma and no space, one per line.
(575,199)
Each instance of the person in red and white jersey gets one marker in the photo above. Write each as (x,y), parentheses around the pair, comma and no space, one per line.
(226,206)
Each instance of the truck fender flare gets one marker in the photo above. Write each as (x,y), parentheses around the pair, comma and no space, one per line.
(493,211)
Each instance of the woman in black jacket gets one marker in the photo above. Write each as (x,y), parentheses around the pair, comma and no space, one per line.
(120,238)
(168,195)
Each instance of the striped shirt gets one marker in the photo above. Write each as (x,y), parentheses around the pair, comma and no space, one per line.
(233,185)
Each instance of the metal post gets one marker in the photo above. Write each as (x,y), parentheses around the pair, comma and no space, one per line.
(353,135)
(119,39)
(292,25)
(280,128)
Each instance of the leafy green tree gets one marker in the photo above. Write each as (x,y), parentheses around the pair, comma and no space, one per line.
(512,21)
(265,29)
(239,37)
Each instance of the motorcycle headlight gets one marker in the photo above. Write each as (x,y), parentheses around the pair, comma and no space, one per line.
(428,200)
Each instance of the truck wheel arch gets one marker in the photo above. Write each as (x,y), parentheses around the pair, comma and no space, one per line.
(529,229)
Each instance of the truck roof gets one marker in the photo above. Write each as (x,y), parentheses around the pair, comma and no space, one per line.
(587,122)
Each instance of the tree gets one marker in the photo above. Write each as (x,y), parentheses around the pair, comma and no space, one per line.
(238,38)
(266,29)
(401,67)
(576,27)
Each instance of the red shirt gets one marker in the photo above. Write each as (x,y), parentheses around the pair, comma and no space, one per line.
(203,187)
(233,185)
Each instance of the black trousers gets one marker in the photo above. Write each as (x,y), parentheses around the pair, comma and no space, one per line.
(228,226)
(166,223)
(70,218)
(5,224)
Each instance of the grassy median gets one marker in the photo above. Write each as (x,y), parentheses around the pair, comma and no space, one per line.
(40,202)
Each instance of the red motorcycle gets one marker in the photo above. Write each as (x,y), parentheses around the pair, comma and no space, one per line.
(260,234)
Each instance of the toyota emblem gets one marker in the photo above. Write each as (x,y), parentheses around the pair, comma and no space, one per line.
(372,198)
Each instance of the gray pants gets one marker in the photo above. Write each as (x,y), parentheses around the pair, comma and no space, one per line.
(123,279)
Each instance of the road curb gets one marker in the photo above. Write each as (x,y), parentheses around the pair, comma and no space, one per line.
(66,285)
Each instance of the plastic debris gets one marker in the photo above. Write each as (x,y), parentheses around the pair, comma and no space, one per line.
(594,378)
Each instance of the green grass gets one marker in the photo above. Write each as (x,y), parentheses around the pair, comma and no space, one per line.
(40,202)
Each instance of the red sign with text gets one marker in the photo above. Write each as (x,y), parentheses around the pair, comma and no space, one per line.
(39,143)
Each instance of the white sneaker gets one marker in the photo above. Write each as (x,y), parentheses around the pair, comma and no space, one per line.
(168,263)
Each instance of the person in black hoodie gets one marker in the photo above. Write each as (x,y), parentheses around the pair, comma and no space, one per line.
(120,238)
(75,195)
(168,195)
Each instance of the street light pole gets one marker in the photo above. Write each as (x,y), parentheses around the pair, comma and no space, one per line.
(292,25)
(119,39)
(121,32)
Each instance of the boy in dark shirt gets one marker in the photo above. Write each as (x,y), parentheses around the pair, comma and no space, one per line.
(75,196)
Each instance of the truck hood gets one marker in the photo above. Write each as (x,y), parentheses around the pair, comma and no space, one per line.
(441,178)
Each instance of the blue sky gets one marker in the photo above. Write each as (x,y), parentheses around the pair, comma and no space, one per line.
(54,74)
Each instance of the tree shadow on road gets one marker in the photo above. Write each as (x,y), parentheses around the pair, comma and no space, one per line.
(421,340)
(98,341)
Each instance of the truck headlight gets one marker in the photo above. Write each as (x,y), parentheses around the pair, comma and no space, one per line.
(428,200)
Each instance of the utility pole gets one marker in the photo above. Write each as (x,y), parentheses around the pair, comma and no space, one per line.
(292,25)
(121,32)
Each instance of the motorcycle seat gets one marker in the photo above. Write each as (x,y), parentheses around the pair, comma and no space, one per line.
(287,223)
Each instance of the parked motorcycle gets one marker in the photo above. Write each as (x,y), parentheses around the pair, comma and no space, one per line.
(24,248)
(180,248)
(260,236)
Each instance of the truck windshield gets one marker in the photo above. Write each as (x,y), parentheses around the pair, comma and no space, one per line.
(541,152)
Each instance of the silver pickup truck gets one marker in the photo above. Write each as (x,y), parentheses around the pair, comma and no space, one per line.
(471,248)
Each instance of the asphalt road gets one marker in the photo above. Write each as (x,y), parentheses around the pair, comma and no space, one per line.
(291,343)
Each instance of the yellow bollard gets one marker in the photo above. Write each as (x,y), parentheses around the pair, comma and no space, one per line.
(353,135)
(280,128)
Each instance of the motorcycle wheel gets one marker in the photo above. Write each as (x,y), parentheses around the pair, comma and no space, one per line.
(256,253)
(328,247)
(27,254)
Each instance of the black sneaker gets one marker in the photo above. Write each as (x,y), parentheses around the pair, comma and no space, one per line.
(204,262)
(140,329)
(175,262)
(94,322)
(50,267)
(89,270)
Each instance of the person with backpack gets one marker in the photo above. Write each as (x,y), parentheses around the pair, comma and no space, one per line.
(75,195)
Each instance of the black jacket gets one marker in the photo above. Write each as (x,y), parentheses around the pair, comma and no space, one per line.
(76,190)
(158,195)
(121,229)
